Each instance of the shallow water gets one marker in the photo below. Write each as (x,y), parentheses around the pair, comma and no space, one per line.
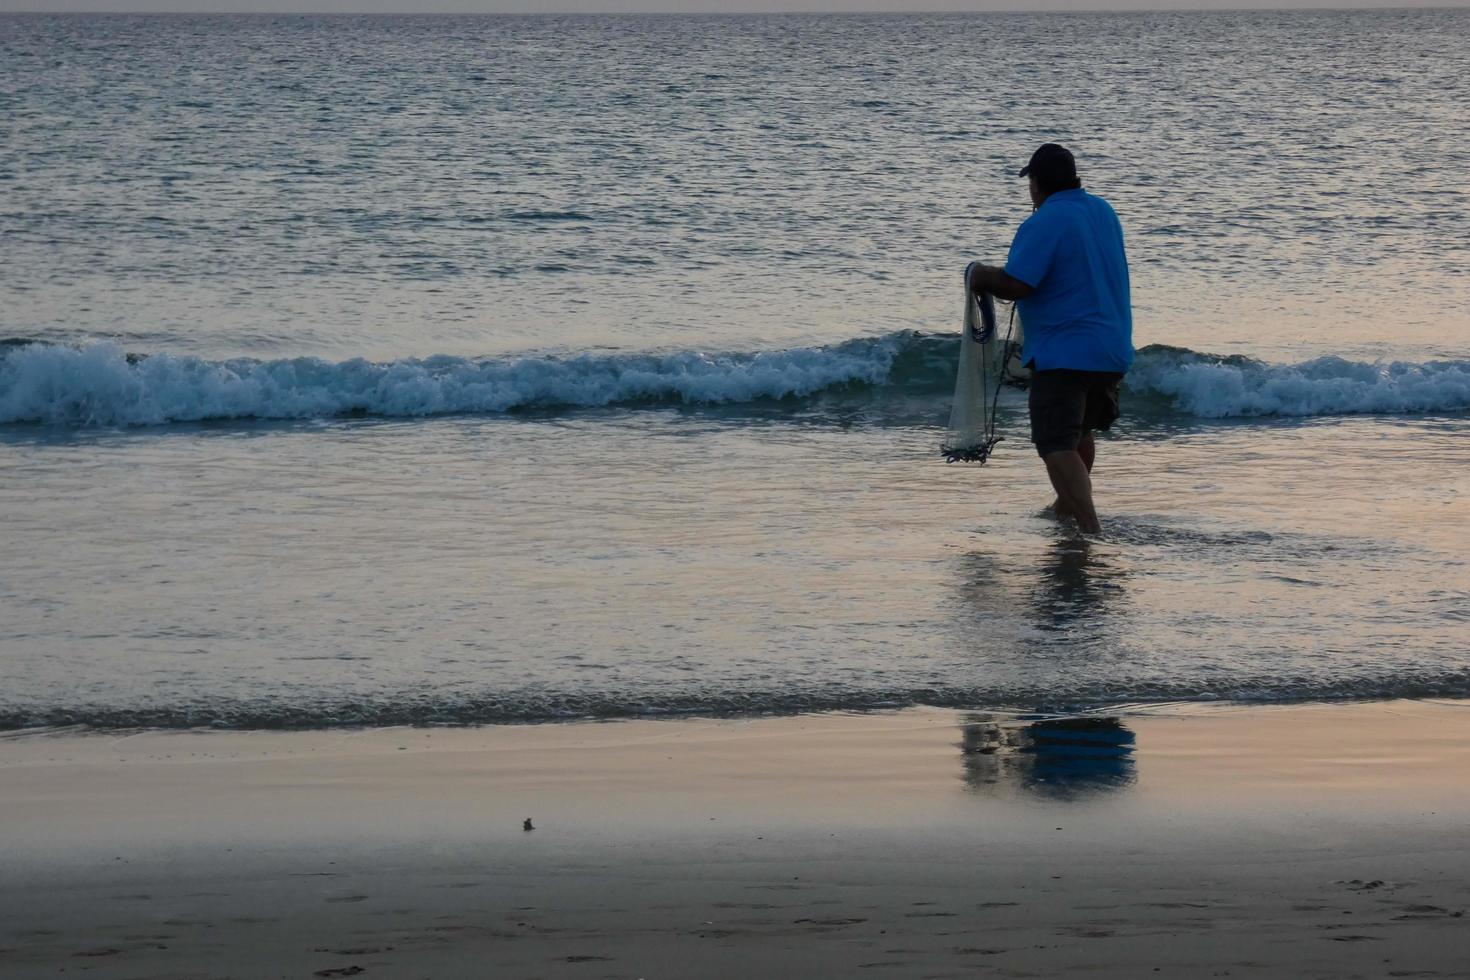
(473,569)
(379,387)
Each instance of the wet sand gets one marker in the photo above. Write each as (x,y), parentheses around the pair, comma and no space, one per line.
(1307,841)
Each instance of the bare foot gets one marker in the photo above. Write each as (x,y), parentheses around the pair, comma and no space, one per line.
(1060,509)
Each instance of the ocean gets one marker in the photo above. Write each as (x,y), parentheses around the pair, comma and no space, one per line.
(384,370)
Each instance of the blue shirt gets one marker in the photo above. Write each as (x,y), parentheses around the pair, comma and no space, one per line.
(1070,251)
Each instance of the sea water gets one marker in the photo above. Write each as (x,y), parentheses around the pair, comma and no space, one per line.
(437,369)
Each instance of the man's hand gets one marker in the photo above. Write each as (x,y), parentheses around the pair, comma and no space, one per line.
(995,281)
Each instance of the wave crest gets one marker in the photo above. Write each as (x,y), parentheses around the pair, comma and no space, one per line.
(1234,387)
(101,384)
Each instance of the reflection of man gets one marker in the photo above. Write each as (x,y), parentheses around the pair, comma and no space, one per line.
(1056,758)
(1068,273)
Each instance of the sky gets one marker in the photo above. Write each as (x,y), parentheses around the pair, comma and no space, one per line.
(701,6)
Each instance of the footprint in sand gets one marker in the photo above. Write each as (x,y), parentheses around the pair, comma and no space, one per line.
(1359,885)
(1428,912)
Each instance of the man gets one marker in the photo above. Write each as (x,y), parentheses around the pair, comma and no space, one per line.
(1069,275)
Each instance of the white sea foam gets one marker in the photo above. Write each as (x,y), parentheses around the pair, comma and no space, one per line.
(1214,388)
(100,385)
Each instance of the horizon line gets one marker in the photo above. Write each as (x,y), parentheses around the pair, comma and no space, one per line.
(1141,8)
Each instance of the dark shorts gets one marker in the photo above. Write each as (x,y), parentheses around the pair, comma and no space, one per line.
(1067,404)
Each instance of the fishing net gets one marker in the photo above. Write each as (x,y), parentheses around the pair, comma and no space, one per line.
(985,363)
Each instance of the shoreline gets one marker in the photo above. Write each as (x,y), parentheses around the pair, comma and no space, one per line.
(113,724)
(1210,838)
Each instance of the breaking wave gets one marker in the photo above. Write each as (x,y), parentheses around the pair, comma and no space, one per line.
(102,385)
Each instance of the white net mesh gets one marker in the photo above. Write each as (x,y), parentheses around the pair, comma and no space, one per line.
(971,433)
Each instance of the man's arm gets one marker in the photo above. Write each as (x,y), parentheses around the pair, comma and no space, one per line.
(996,281)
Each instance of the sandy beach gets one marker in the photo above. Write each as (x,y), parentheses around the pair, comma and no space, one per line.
(1309,841)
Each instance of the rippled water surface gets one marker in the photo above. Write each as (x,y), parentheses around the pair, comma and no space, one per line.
(389,186)
(392,369)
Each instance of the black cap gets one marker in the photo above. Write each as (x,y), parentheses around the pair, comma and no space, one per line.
(1051,163)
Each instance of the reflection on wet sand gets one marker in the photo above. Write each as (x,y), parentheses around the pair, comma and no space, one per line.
(1053,758)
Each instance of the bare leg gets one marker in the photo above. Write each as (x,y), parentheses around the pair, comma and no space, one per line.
(1087,449)
(1069,476)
